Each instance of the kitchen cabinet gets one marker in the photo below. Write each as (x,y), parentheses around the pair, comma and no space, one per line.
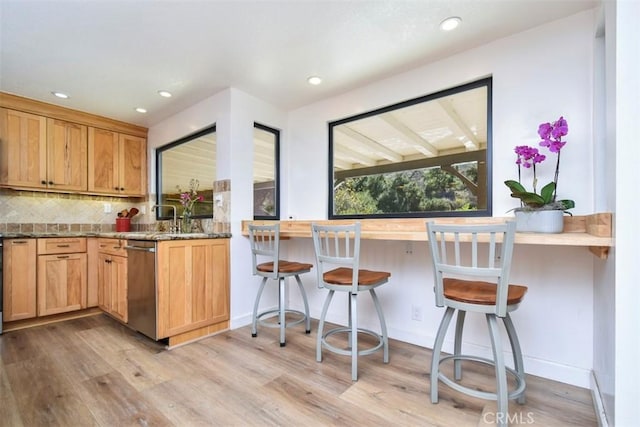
(117,163)
(61,275)
(19,279)
(66,155)
(192,284)
(42,153)
(23,149)
(112,278)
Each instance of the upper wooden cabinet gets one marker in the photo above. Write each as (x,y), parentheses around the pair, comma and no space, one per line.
(66,156)
(46,147)
(42,153)
(23,149)
(117,163)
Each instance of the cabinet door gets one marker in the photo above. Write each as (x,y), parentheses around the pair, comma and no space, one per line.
(133,165)
(23,149)
(19,279)
(112,285)
(119,307)
(104,282)
(193,284)
(62,283)
(103,175)
(66,155)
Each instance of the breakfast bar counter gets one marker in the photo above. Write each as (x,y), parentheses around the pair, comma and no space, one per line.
(591,231)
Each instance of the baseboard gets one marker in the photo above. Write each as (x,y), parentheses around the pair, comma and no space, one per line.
(598,404)
(533,366)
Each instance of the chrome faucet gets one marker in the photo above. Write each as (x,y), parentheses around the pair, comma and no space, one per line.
(175,226)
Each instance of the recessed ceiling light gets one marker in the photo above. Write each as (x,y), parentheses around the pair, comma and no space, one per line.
(141,110)
(60,95)
(450,23)
(164,94)
(314,80)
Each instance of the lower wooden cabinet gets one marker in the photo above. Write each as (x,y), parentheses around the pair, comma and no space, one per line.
(19,279)
(62,275)
(192,284)
(112,278)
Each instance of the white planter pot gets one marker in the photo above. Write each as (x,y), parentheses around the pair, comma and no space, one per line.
(550,221)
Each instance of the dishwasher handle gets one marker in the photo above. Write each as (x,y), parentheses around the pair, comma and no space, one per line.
(140,248)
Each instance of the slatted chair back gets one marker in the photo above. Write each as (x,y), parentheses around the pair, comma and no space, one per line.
(337,246)
(456,254)
(265,248)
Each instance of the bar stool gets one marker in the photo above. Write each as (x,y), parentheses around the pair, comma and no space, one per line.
(339,246)
(465,281)
(265,254)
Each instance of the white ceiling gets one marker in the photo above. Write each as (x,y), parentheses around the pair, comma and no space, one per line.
(112,56)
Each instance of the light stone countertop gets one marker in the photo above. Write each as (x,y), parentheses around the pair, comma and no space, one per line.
(138,235)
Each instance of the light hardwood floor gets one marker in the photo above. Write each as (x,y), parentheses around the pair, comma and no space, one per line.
(94,371)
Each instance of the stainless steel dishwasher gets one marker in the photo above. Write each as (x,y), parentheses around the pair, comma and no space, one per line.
(141,287)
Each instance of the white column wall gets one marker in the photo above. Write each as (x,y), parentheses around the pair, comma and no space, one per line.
(234,113)
(627,275)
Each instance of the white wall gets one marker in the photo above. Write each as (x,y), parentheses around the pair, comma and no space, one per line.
(538,75)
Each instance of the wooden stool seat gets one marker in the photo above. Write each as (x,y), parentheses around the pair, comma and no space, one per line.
(344,276)
(476,292)
(285,267)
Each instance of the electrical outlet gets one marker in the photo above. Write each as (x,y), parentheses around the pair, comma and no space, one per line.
(416,313)
(408,249)
(107,208)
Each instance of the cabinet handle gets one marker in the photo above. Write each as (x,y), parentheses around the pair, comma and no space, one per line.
(19,242)
(115,188)
(51,183)
(121,188)
(62,246)
(43,182)
(63,256)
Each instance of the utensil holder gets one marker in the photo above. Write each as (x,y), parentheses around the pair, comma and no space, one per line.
(123,225)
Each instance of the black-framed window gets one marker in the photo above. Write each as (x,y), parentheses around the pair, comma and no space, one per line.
(429,156)
(266,172)
(180,165)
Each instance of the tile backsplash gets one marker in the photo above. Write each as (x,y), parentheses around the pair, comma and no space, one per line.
(32,211)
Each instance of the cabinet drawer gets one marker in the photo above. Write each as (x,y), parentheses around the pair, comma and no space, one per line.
(62,245)
(112,247)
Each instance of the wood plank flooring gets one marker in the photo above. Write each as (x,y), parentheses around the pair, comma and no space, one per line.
(93,371)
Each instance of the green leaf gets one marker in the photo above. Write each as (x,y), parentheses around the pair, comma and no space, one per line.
(567,204)
(515,186)
(530,199)
(547,192)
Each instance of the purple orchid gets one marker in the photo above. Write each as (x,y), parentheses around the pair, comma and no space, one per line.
(528,157)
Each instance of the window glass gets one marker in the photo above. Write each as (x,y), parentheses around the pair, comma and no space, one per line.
(429,156)
(179,165)
(266,166)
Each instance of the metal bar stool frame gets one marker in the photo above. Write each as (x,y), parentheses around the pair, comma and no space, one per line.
(339,246)
(461,285)
(266,262)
